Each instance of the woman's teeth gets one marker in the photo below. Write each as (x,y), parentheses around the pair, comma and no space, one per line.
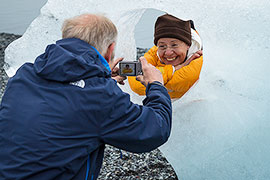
(171,59)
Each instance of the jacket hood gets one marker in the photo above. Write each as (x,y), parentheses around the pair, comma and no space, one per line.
(70,60)
(196,43)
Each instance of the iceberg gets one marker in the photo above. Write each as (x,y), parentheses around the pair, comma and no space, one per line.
(221,126)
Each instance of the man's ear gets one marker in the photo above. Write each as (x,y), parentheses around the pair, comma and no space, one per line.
(109,54)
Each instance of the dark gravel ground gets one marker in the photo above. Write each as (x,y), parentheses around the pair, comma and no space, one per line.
(5,40)
(120,165)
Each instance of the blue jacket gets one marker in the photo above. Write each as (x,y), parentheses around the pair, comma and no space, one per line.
(58,113)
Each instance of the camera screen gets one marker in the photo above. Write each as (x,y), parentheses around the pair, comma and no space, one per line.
(128,69)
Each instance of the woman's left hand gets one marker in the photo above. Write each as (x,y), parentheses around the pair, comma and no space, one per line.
(193,57)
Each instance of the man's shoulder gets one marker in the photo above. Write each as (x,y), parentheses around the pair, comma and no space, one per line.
(26,68)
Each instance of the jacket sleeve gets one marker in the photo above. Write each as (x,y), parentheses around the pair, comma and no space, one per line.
(185,77)
(138,128)
(151,56)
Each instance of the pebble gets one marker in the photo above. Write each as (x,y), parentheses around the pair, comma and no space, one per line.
(118,165)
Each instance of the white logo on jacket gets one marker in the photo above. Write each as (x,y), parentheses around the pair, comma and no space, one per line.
(79,83)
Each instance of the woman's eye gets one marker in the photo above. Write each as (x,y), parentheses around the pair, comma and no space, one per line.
(162,47)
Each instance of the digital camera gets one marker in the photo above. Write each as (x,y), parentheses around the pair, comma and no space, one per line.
(130,68)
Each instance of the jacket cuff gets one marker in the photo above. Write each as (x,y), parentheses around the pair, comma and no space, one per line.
(156,90)
(155,83)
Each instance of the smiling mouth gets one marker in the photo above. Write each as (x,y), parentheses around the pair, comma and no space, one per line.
(171,59)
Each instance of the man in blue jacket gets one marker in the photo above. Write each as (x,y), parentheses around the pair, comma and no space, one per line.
(57,114)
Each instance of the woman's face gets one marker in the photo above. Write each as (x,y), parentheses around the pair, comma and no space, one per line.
(172,51)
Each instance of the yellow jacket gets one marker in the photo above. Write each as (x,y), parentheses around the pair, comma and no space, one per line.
(178,82)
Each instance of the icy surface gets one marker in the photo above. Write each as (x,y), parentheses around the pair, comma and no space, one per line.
(221,127)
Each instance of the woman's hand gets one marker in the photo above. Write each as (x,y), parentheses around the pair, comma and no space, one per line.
(193,57)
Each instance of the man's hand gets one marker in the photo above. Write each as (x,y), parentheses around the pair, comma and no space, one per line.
(193,57)
(150,73)
(115,71)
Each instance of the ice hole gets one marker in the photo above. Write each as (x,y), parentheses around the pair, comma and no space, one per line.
(144,29)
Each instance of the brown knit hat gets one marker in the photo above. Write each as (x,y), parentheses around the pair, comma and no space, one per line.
(168,26)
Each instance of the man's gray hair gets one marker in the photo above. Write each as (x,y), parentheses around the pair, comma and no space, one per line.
(96,30)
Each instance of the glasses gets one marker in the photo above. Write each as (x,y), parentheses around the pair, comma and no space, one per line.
(165,47)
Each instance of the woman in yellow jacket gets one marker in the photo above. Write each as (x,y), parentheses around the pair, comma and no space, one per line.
(177,54)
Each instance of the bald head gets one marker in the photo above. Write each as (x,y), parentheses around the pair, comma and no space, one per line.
(96,30)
